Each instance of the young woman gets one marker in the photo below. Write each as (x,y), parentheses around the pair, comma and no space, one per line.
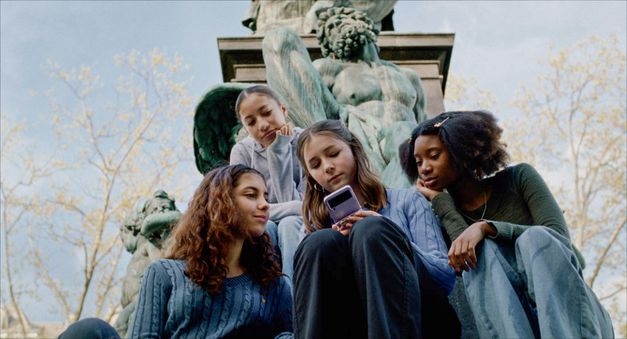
(522,275)
(384,273)
(221,278)
(270,148)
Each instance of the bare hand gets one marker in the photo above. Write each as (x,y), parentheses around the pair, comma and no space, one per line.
(427,192)
(462,255)
(347,223)
(287,129)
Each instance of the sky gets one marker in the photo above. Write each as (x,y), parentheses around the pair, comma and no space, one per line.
(500,44)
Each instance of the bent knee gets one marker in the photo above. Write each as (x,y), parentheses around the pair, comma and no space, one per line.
(290,222)
(321,242)
(534,236)
(368,228)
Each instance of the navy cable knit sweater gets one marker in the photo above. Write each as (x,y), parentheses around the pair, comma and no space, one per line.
(171,305)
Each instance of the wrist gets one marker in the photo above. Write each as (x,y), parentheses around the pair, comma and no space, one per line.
(487,229)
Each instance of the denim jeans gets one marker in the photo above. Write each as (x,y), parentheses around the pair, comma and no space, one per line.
(285,237)
(533,288)
(370,284)
(290,232)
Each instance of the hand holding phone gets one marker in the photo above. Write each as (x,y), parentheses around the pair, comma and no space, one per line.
(341,204)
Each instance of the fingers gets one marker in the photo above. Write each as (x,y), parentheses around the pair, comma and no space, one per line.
(472,257)
(286,129)
(462,255)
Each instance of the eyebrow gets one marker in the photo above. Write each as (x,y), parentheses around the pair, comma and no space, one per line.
(432,148)
(323,151)
(265,192)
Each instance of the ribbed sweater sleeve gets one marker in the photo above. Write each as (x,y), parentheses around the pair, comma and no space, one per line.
(542,206)
(151,312)
(283,316)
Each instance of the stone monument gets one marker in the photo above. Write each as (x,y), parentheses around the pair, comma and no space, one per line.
(143,234)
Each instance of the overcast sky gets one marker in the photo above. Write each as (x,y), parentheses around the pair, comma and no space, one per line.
(497,43)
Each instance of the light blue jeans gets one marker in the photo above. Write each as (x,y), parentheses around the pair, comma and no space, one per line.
(533,288)
(286,236)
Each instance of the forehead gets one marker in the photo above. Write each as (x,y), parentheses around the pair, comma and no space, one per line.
(250,180)
(424,143)
(255,101)
(318,143)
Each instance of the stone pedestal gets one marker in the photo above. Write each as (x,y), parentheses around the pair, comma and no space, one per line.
(428,54)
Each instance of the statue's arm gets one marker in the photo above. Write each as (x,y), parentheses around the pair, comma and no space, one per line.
(420,107)
(158,221)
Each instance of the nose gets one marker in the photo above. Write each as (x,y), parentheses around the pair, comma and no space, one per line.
(424,168)
(263,124)
(263,204)
(329,167)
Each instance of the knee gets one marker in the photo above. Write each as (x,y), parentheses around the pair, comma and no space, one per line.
(370,231)
(289,224)
(89,328)
(534,236)
(322,243)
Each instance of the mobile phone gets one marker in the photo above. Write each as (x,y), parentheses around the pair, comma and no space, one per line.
(342,203)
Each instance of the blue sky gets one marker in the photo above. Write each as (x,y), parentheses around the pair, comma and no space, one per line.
(498,43)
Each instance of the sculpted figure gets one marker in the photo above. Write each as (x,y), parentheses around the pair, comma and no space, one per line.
(143,235)
(378,101)
(300,15)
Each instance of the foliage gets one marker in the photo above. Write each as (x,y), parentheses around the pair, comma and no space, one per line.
(573,127)
(107,156)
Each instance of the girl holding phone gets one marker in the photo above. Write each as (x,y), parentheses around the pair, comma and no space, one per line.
(523,277)
(270,148)
(221,278)
(384,274)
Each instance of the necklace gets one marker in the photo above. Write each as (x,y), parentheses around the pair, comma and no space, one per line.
(485,208)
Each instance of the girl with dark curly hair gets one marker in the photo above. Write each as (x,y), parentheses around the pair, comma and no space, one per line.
(221,278)
(523,277)
(382,274)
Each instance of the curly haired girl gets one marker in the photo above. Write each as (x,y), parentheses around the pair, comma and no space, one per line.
(523,278)
(221,277)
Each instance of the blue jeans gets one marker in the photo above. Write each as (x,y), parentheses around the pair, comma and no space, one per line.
(533,288)
(291,230)
(285,237)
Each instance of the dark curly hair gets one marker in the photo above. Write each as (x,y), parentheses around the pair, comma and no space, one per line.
(205,231)
(472,139)
(368,182)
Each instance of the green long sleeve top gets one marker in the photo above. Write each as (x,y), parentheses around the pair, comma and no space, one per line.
(520,198)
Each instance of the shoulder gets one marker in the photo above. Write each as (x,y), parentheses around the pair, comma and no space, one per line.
(241,151)
(167,267)
(517,172)
(328,66)
(406,198)
(245,144)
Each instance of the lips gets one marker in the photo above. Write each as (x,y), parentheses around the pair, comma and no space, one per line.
(262,218)
(334,178)
(270,134)
(430,182)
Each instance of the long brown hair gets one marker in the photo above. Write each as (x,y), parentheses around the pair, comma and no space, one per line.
(209,226)
(315,214)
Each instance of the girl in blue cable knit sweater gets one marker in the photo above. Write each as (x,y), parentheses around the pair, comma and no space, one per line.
(221,278)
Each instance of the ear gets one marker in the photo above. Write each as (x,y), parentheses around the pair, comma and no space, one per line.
(284,110)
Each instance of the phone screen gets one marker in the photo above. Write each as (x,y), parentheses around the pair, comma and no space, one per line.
(335,201)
